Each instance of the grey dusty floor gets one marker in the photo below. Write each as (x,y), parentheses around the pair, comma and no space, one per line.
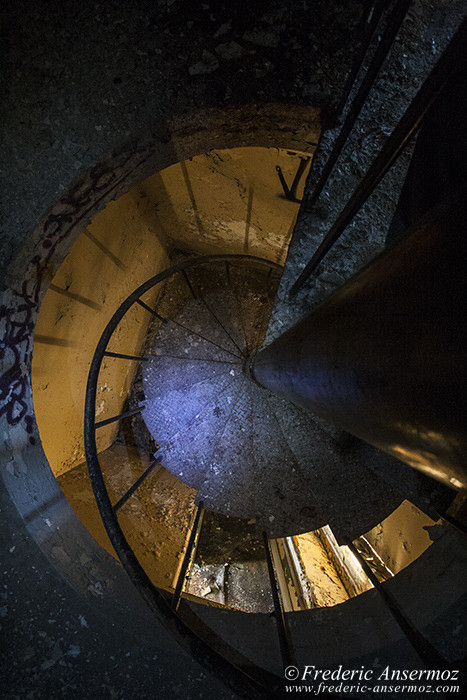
(56,646)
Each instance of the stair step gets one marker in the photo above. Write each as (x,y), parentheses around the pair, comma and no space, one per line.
(194,332)
(288,506)
(188,453)
(163,375)
(225,305)
(230,486)
(253,635)
(250,454)
(165,416)
(255,304)
(353,498)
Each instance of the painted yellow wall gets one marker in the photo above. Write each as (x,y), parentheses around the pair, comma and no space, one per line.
(401,537)
(156,520)
(224,201)
(228,201)
(119,250)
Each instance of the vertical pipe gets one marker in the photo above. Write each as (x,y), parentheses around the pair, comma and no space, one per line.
(385,356)
(189,553)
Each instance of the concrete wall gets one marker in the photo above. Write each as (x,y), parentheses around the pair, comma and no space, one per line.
(118,251)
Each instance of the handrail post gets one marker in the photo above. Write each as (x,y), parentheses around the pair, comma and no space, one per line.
(135,486)
(371,20)
(190,553)
(394,22)
(286,647)
(121,416)
(423,648)
(122,356)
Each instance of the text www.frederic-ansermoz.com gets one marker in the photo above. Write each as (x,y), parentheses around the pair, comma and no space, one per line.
(316,681)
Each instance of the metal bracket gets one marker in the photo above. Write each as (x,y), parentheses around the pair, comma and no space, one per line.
(291,193)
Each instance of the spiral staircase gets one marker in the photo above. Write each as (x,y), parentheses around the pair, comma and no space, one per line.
(248,454)
(196,410)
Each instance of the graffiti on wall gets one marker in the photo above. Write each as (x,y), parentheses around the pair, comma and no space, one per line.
(18,314)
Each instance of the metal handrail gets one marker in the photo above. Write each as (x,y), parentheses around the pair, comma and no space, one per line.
(395,20)
(409,123)
(189,631)
(236,671)
(370,20)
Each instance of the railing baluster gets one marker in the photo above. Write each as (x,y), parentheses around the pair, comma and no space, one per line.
(424,649)
(371,20)
(394,22)
(120,355)
(407,126)
(189,285)
(216,318)
(151,311)
(287,653)
(221,325)
(135,486)
(185,328)
(127,414)
(189,555)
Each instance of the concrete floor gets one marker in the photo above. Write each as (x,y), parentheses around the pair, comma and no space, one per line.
(56,646)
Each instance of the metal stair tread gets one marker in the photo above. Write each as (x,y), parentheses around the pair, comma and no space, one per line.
(353,498)
(166,417)
(224,304)
(188,453)
(228,486)
(164,374)
(261,457)
(288,505)
(195,332)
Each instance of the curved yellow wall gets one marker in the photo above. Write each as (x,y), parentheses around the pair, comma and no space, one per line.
(117,252)
(225,201)
(228,201)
